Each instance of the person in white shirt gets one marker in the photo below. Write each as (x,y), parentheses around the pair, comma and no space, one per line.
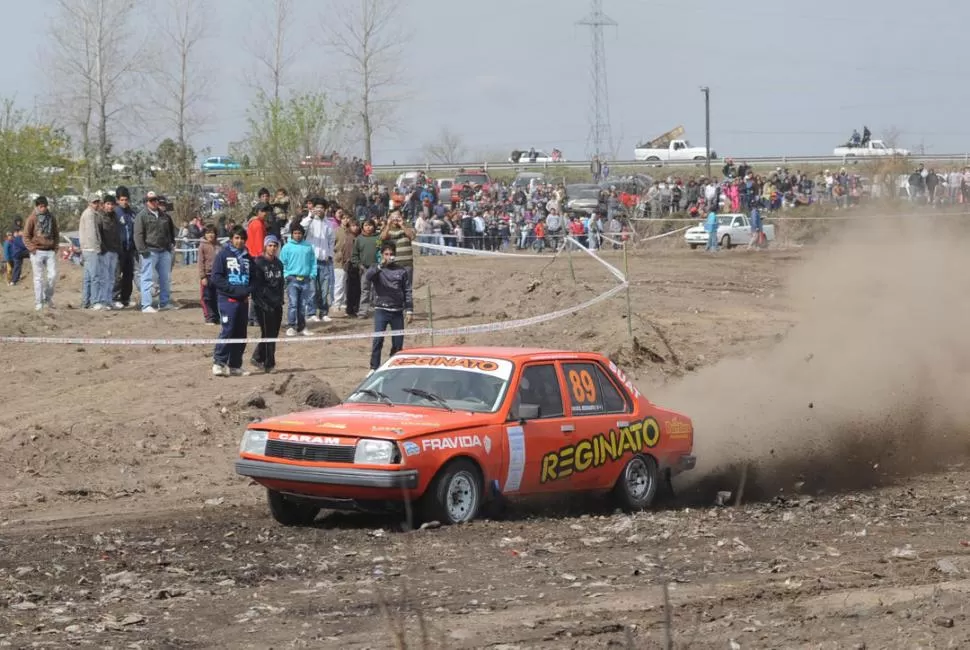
(320,235)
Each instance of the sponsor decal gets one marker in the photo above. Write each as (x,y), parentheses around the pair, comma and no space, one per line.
(600,449)
(677,429)
(389,429)
(411,448)
(487,442)
(468,363)
(377,415)
(308,439)
(331,425)
(624,380)
(513,479)
(454,442)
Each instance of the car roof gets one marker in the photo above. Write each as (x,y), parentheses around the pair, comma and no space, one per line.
(510,353)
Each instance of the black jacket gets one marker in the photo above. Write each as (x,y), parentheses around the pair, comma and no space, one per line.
(110,233)
(154,231)
(266,279)
(392,287)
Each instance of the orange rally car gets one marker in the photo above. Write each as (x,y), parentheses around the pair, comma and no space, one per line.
(452,428)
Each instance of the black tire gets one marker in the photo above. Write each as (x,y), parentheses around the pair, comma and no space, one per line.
(653,159)
(693,247)
(459,477)
(701,158)
(290,512)
(726,242)
(637,485)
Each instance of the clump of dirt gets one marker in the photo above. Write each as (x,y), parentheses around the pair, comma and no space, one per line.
(308,390)
(869,386)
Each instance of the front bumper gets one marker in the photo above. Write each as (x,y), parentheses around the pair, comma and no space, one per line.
(365,478)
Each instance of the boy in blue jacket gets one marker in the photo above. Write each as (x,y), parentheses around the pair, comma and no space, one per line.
(14,252)
(230,276)
(299,272)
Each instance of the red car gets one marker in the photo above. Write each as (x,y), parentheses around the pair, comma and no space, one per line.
(313,162)
(452,428)
(474,179)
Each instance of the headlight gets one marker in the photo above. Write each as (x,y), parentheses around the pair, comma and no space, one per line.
(374,452)
(254,442)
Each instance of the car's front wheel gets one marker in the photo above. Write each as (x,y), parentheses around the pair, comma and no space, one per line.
(638,483)
(455,494)
(290,512)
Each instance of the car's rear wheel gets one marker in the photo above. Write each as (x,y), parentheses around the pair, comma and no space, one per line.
(726,242)
(455,494)
(638,483)
(290,512)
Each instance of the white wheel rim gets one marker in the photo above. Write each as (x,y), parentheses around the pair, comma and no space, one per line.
(637,478)
(461,496)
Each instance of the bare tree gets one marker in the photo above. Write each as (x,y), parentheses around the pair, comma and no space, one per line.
(89,59)
(449,149)
(275,54)
(891,135)
(368,36)
(181,79)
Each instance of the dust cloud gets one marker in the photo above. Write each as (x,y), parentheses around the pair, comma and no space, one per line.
(872,384)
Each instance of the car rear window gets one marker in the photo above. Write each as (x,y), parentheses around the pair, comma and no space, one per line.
(476,179)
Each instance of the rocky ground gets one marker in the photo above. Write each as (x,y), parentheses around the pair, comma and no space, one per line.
(122,524)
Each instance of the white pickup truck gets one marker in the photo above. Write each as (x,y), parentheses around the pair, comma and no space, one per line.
(871,148)
(732,230)
(670,146)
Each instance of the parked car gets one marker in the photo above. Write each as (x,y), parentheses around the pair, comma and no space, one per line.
(450,429)
(582,197)
(670,146)
(535,156)
(220,164)
(476,179)
(318,161)
(732,230)
(526,181)
(444,189)
(870,149)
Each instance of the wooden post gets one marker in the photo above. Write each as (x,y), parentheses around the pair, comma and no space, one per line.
(569,256)
(430,315)
(629,307)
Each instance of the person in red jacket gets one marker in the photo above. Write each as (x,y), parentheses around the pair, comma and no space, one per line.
(256,231)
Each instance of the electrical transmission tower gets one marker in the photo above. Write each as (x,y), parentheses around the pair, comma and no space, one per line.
(600,140)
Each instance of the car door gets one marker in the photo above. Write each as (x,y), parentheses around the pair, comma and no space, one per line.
(740,233)
(600,410)
(534,453)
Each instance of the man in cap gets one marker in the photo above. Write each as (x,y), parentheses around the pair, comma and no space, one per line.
(90,240)
(42,236)
(155,240)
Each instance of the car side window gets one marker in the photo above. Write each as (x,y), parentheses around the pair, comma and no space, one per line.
(539,385)
(590,390)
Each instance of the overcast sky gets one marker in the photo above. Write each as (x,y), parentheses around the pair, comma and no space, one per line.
(785,77)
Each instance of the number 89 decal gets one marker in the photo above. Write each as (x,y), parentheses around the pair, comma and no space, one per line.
(583,386)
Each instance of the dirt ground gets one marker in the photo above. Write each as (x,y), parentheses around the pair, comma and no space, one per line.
(122,524)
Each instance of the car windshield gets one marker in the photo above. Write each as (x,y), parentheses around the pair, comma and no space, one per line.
(474,179)
(725,220)
(588,194)
(463,383)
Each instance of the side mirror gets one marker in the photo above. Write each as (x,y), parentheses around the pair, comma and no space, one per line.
(527,412)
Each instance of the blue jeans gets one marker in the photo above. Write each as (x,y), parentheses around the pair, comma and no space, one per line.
(155,262)
(383,318)
(91,282)
(299,297)
(324,290)
(109,266)
(711,241)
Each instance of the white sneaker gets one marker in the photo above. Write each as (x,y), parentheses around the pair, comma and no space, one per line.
(169,307)
(306,333)
(313,319)
(290,331)
(238,372)
(220,371)
(105,307)
(38,306)
(149,310)
(97,307)
(327,319)
(118,305)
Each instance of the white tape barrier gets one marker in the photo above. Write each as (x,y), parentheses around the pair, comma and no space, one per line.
(472,251)
(789,216)
(448,331)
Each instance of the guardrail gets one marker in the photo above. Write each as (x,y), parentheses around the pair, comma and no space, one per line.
(751,160)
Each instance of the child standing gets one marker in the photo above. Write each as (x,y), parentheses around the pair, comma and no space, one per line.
(230,275)
(363,257)
(267,296)
(299,271)
(208,248)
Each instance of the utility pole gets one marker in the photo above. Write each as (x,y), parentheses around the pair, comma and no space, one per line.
(600,135)
(707,126)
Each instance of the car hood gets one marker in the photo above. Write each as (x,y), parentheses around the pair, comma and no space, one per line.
(374,421)
(696,229)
